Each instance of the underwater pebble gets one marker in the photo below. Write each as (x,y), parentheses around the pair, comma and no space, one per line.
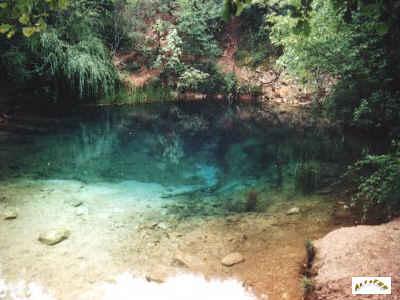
(233,219)
(232,259)
(74,202)
(54,236)
(162,225)
(10,214)
(80,211)
(293,211)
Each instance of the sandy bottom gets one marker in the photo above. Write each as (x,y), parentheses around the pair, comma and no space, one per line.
(126,227)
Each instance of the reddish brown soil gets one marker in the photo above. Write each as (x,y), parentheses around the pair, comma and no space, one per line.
(143,77)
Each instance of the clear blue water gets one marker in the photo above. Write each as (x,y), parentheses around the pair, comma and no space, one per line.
(208,149)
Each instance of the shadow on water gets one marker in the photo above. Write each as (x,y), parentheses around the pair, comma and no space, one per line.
(216,158)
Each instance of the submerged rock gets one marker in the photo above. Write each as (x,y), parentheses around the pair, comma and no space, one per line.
(163,226)
(75,202)
(293,211)
(81,211)
(54,236)
(232,259)
(10,213)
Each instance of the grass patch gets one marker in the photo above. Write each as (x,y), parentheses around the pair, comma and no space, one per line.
(147,94)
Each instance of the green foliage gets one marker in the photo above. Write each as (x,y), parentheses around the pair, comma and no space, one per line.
(191,79)
(307,177)
(255,47)
(322,43)
(68,60)
(235,8)
(128,25)
(169,59)
(85,65)
(353,45)
(198,23)
(380,109)
(230,84)
(376,178)
(15,62)
(153,92)
(27,16)
(171,52)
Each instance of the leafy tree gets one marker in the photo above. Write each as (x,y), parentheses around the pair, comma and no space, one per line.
(27,16)
(352,43)
(67,60)
(191,79)
(198,23)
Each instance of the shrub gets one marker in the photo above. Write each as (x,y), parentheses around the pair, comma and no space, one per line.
(191,79)
(376,178)
(152,92)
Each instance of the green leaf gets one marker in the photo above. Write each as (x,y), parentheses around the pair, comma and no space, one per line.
(24,19)
(41,25)
(4,28)
(28,31)
(382,29)
(63,4)
(4,5)
(10,34)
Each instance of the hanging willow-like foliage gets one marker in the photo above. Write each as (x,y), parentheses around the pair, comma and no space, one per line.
(86,65)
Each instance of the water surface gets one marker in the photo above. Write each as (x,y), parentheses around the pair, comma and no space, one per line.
(193,148)
(166,188)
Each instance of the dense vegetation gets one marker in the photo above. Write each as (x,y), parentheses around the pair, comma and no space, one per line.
(346,51)
(352,44)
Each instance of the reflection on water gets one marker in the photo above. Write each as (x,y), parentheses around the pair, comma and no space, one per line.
(144,188)
(211,150)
